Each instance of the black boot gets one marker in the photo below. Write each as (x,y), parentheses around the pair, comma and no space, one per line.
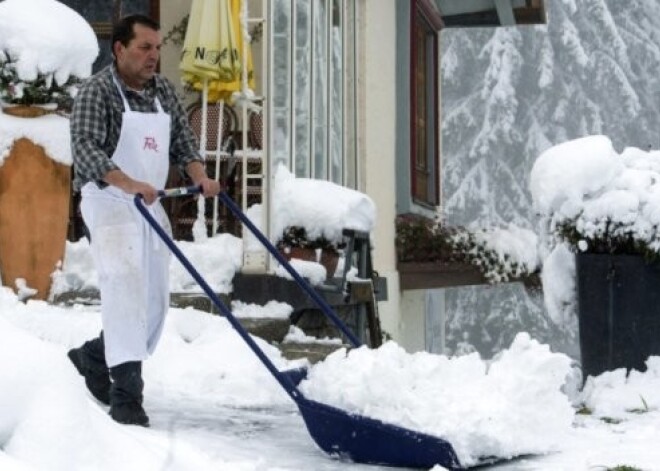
(126,394)
(89,360)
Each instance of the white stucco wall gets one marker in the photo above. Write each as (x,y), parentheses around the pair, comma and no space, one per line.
(378,143)
(412,324)
(170,54)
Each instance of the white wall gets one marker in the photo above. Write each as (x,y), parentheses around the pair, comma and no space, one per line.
(377,131)
(170,14)
(412,321)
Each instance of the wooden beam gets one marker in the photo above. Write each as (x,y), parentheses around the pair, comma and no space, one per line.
(523,16)
(530,16)
(431,275)
(484,18)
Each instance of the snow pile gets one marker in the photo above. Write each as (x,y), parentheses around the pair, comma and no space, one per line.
(77,273)
(214,406)
(60,42)
(617,395)
(313,272)
(509,407)
(558,278)
(74,433)
(513,244)
(297,335)
(323,208)
(50,132)
(217,259)
(271,310)
(588,182)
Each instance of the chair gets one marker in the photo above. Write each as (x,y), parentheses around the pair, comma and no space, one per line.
(255,135)
(183,211)
(229,122)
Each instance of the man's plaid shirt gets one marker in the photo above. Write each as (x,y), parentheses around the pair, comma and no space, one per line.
(96,124)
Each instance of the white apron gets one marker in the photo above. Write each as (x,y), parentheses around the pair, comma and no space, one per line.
(132,265)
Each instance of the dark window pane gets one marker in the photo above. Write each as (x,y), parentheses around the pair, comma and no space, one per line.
(424,152)
(92,10)
(130,7)
(105,55)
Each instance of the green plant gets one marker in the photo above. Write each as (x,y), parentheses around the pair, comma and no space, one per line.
(611,420)
(296,236)
(420,239)
(177,33)
(611,238)
(620,467)
(41,90)
(640,410)
(584,410)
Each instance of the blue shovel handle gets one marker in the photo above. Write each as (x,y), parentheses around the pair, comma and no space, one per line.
(233,207)
(287,380)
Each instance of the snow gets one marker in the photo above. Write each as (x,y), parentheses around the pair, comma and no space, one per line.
(396,387)
(586,182)
(512,244)
(212,403)
(271,310)
(214,406)
(50,131)
(47,37)
(304,202)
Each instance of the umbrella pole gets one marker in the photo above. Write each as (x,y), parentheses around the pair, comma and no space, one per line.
(218,150)
(201,202)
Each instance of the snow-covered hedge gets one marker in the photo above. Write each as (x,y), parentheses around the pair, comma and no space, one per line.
(597,200)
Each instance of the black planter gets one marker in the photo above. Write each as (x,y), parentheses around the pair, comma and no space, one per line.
(618,310)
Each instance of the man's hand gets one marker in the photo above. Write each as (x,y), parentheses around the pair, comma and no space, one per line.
(148,192)
(130,186)
(210,187)
(197,173)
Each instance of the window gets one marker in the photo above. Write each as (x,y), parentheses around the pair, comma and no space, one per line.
(313,116)
(424,93)
(101,15)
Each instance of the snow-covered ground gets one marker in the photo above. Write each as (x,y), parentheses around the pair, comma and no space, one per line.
(214,406)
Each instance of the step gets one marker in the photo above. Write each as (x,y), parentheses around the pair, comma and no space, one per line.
(313,351)
(272,330)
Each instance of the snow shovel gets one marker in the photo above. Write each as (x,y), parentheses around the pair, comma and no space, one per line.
(335,431)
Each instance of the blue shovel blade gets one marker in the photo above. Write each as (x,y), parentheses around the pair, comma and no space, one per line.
(295,375)
(371,441)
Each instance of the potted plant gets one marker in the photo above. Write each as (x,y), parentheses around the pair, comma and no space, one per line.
(603,206)
(32,97)
(455,255)
(42,58)
(295,243)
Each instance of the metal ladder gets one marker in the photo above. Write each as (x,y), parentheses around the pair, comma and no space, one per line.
(256,261)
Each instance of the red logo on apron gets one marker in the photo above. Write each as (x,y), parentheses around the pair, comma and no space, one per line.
(150,144)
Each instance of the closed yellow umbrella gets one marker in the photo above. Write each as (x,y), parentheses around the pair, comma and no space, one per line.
(213,47)
(211,63)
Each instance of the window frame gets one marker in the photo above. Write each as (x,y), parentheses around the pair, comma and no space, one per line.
(327,118)
(423,15)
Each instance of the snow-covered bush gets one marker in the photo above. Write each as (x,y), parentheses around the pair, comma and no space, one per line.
(597,200)
(500,254)
(41,90)
(37,63)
